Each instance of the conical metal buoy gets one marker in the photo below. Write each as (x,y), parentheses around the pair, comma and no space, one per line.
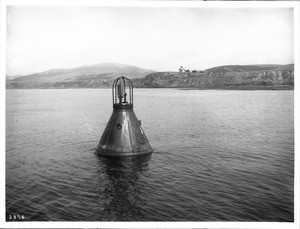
(123,135)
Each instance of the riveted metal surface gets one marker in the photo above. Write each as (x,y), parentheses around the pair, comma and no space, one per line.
(123,135)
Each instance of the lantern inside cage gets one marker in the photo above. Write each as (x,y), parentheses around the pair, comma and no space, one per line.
(123,135)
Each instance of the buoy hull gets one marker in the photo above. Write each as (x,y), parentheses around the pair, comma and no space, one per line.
(123,136)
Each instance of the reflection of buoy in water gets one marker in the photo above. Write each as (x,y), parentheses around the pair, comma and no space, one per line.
(123,135)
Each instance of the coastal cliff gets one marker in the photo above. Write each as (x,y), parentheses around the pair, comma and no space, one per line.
(102,76)
(224,76)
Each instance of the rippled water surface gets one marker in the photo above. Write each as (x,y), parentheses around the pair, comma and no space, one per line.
(218,156)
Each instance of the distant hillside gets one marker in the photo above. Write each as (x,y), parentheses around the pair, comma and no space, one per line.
(249,68)
(237,76)
(90,76)
(102,75)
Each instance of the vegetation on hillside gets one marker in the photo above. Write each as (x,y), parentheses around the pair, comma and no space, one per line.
(102,76)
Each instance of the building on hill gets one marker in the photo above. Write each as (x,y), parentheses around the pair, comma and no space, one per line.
(181,69)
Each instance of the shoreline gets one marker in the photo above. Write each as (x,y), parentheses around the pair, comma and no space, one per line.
(243,88)
(231,87)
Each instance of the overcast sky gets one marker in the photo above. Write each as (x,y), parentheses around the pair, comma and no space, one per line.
(40,38)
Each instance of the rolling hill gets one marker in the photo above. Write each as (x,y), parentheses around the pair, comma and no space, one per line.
(102,75)
(249,68)
(98,75)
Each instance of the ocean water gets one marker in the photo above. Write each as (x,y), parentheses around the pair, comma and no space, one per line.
(218,156)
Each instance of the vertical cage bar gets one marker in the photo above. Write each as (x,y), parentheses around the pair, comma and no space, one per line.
(123,78)
(113,91)
(131,90)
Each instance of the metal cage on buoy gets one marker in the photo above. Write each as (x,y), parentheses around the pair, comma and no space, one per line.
(121,99)
(123,135)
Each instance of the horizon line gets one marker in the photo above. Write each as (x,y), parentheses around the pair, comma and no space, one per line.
(129,65)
